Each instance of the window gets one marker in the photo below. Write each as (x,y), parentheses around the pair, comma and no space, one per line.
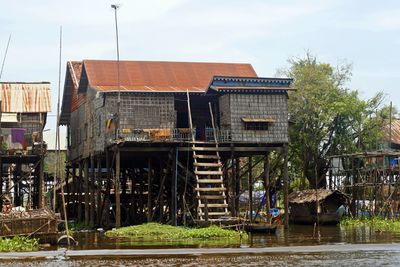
(258,124)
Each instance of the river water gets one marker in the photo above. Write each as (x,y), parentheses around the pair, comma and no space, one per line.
(298,246)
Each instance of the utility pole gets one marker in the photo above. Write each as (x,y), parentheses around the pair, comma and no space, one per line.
(117,162)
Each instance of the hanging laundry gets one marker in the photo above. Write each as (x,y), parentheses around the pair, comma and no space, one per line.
(18,135)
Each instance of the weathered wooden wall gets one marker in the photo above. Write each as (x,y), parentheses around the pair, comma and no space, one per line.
(234,107)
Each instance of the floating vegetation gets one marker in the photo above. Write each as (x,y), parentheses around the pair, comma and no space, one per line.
(376,223)
(18,244)
(161,232)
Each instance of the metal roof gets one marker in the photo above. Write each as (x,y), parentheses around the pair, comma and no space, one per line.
(25,97)
(157,76)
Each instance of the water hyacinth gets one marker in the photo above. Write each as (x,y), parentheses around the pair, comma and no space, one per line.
(156,231)
(376,223)
(18,243)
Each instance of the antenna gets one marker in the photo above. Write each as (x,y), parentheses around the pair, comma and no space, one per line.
(4,59)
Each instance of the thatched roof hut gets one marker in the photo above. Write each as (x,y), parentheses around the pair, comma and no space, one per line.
(303,205)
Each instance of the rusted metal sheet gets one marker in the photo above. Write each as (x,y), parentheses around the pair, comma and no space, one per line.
(158,76)
(25,97)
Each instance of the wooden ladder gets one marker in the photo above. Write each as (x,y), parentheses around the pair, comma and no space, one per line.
(210,189)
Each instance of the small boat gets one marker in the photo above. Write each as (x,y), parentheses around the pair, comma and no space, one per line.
(265,228)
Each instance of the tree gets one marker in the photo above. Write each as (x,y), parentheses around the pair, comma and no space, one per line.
(327,118)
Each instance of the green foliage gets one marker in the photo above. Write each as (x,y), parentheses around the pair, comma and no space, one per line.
(155,231)
(18,243)
(327,118)
(376,223)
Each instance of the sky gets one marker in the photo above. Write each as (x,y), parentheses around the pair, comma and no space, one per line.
(265,33)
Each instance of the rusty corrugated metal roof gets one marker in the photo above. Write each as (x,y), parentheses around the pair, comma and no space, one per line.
(395,136)
(159,76)
(25,97)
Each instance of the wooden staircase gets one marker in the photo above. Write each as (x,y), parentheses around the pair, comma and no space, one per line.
(210,187)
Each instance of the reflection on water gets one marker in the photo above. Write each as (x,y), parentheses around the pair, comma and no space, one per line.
(295,236)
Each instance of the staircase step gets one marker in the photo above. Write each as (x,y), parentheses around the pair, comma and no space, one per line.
(207,164)
(212,205)
(210,189)
(205,156)
(208,172)
(215,213)
(212,197)
(209,181)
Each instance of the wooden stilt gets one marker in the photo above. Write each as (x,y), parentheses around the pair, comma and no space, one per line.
(68,189)
(237,187)
(286,184)
(267,187)
(80,188)
(74,190)
(117,188)
(98,191)
(92,191)
(233,184)
(174,200)
(86,185)
(149,190)
(41,182)
(250,189)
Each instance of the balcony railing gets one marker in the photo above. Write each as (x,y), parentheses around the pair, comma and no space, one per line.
(168,135)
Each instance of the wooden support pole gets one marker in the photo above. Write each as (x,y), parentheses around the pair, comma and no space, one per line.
(80,188)
(286,184)
(233,183)
(93,191)
(161,193)
(250,190)
(74,190)
(98,191)
(149,190)
(267,184)
(41,183)
(117,188)
(238,184)
(86,185)
(68,190)
(174,200)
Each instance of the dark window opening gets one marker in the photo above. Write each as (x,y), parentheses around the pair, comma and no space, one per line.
(256,126)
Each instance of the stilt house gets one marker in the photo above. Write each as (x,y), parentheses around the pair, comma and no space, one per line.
(24,108)
(162,151)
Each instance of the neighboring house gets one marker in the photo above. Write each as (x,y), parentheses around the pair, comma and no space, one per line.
(24,108)
(250,117)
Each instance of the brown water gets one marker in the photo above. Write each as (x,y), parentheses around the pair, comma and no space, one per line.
(298,246)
